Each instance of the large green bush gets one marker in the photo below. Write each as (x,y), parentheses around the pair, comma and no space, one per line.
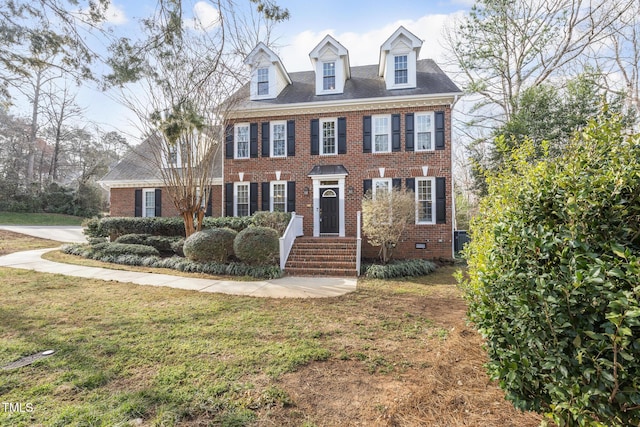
(257,245)
(212,244)
(276,220)
(164,244)
(554,279)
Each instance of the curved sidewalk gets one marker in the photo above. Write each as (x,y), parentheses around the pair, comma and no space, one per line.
(286,287)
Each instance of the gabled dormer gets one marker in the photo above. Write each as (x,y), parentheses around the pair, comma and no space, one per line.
(330,61)
(398,56)
(268,75)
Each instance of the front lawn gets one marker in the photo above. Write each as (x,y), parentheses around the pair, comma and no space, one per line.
(19,218)
(392,353)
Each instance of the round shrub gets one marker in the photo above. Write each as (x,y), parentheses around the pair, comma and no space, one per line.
(257,245)
(212,244)
(554,268)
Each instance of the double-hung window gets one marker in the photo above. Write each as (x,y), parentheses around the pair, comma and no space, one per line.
(425,200)
(263,81)
(329,76)
(149,200)
(278,196)
(380,185)
(242,141)
(401,71)
(241,199)
(278,139)
(424,131)
(329,143)
(381,134)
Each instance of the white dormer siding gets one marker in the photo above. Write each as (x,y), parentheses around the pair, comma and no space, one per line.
(398,57)
(330,61)
(268,75)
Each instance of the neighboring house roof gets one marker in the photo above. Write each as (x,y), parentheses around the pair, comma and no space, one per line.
(138,167)
(363,84)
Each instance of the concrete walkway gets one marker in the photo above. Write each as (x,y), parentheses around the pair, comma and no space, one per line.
(59,233)
(286,287)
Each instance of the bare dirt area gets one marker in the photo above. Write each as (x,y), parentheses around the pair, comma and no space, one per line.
(444,384)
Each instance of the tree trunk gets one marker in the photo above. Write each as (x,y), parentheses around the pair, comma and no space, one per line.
(31,159)
(189,226)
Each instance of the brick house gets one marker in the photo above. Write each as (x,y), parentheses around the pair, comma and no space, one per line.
(315,142)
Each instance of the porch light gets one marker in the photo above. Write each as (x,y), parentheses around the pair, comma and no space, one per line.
(306,191)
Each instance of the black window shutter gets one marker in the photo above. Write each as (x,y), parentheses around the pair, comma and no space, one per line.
(408,132)
(366,134)
(395,132)
(253,197)
(138,203)
(366,186)
(291,196)
(441,201)
(266,196)
(158,206)
(253,140)
(228,142)
(228,199)
(209,211)
(439,119)
(291,138)
(396,183)
(410,183)
(342,135)
(315,137)
(265,140)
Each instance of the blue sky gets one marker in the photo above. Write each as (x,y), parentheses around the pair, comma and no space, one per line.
(361,26)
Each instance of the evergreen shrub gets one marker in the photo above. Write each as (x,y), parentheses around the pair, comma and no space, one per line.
(257,245)
(212,244)
(554,279)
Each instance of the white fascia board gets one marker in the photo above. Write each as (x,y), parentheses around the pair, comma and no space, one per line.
(343,105)
(151,183)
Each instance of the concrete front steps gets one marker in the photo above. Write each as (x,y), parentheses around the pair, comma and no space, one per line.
(322,256)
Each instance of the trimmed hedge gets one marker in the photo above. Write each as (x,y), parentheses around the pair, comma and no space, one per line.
(404,268)
(161,243)
(124,249)
(115,227)
(213,244)
(175,263)
(276,220)
(257,245)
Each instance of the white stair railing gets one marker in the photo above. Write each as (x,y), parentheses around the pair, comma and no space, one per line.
(294,229)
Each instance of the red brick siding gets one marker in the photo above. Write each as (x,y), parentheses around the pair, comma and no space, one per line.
(361,166)
(123,202)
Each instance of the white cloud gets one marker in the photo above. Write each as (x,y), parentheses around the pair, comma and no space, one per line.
(364,48)
(115,15)
(205,17)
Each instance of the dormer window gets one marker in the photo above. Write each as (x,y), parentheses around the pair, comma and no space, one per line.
(401,72)
(330,62)
(398,58)
(329,76)
(263,81)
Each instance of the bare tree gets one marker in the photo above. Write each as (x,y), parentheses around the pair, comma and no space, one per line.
(385,216)
(186,76)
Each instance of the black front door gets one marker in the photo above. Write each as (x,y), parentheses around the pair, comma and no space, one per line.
(329,215)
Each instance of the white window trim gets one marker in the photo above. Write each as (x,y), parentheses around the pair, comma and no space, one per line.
(235,140)
(145,191)
(415,131)
(271,135)
(235,197)
(390,74)
(374,181)
(272,192)
(373,133)
(258,94)
(433,200)
(334,120)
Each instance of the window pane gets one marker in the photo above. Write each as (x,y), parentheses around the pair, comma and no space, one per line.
(328,137)
(279,198)
(149,203)
(242,201)
(279,145)
(263,81)
(242,143)
(400,68)
(329,75)
(425,201)
(381,133)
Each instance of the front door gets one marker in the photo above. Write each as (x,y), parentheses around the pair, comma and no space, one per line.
(329,215)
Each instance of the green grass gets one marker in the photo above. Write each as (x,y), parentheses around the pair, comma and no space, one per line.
(172,357)
(17,218)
